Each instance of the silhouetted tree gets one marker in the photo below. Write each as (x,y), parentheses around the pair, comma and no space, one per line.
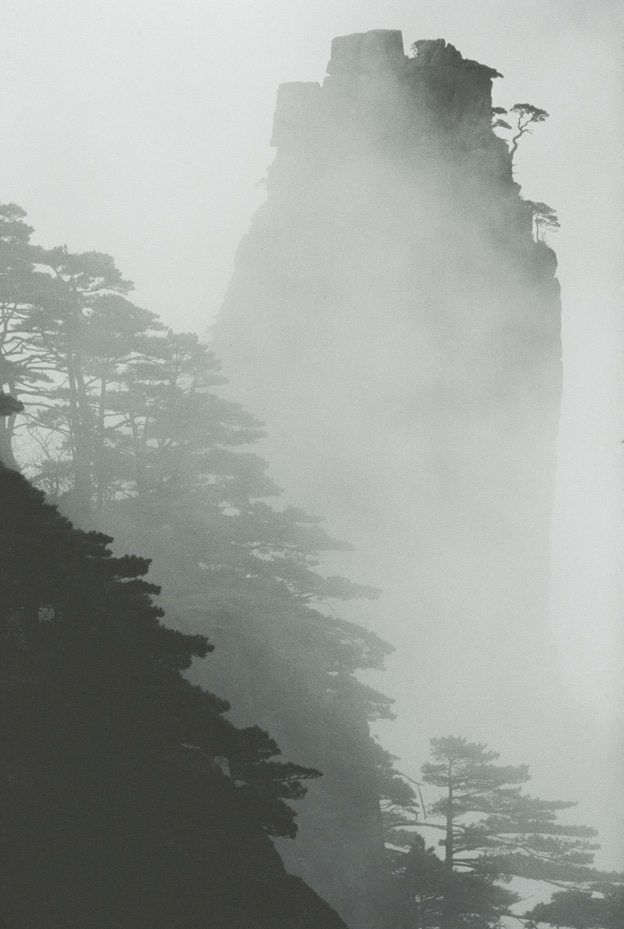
(65,326)
(545,219)
(525,115)
(517,831)
(493,832)
(85,328)
(433,896)
(22,368)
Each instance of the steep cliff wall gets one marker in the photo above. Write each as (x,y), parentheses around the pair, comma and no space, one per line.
(396,326)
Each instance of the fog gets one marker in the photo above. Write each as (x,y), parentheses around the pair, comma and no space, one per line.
(142,130)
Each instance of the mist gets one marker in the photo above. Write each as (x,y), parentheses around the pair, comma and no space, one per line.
(144,132)
(402,433)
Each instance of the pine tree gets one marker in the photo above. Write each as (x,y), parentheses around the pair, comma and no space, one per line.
(431,895)
(493,832)
(485,811)
(66,330)
(132,436)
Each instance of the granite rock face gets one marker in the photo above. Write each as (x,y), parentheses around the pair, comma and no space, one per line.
(396,326)
(380,50)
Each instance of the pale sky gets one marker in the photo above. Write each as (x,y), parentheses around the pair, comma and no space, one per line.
(141,128)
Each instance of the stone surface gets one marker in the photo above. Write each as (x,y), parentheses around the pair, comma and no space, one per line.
(378,50)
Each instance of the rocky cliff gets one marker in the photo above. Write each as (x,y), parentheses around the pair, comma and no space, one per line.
(393,321)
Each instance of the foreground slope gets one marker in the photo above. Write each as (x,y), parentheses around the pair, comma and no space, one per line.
(120,806)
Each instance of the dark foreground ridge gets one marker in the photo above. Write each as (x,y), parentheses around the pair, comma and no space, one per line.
(116,811)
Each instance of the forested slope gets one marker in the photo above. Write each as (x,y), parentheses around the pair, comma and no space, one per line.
(118,420)
(128,800)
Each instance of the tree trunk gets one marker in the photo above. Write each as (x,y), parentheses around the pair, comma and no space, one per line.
(446,920)
(6,450)
(81,451)
(448,858)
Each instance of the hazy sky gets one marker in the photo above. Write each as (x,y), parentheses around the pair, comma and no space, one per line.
(141,129)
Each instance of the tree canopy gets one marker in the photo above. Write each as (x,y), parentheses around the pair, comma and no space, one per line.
(544,218)
(524,116)
(493,832)
(124,428)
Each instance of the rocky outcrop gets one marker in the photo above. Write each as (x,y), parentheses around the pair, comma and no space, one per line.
(396,326)
(377,98)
